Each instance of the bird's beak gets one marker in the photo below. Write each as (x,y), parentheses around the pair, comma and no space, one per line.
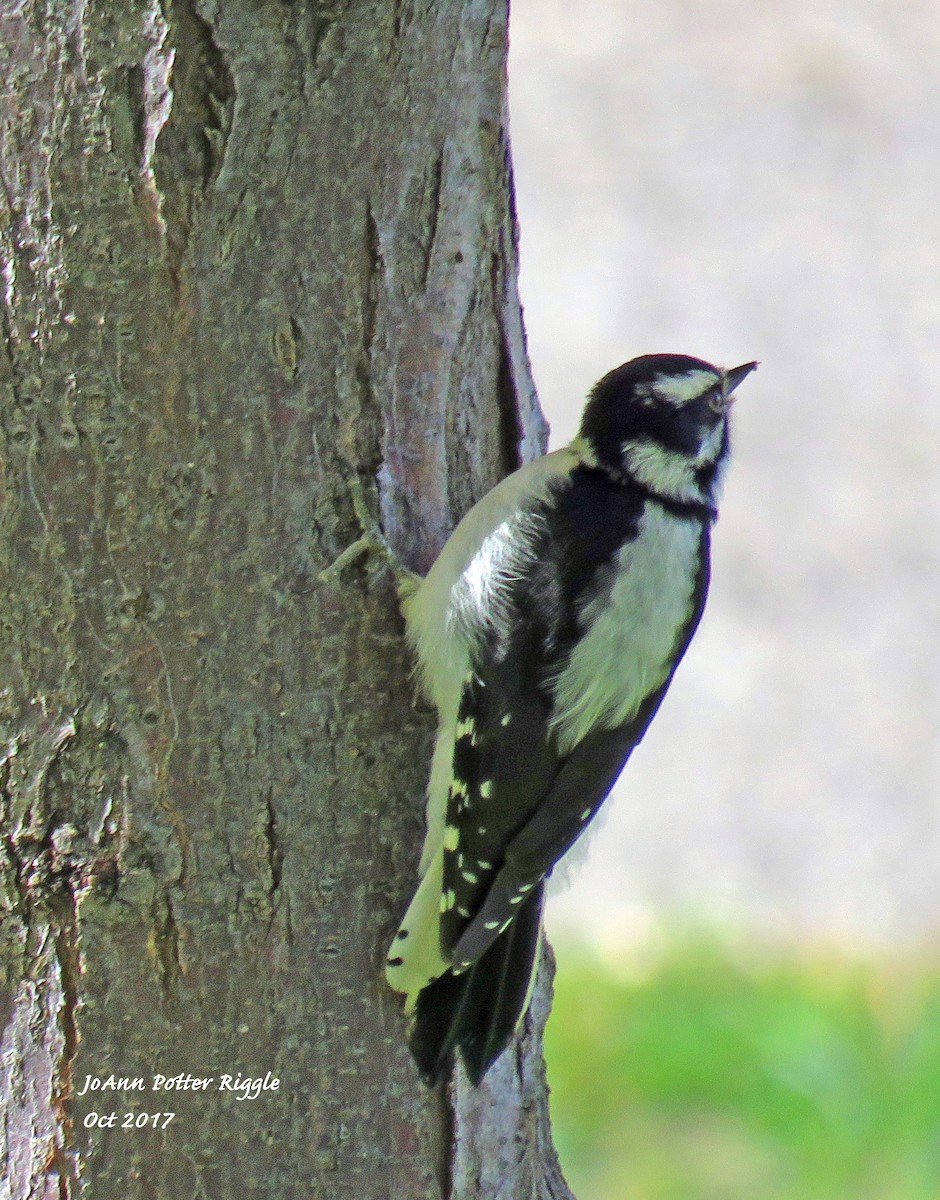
(735,376)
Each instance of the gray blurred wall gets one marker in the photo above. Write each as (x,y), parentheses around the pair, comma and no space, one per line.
(739,180)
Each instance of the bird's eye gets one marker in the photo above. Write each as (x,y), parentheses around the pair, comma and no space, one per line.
(715,399)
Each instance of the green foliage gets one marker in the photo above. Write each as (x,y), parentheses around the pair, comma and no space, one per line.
(704,1073)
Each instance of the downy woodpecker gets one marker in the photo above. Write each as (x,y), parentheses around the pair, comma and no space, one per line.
(547,632)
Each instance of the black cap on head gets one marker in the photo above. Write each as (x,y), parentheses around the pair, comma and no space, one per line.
(673,403)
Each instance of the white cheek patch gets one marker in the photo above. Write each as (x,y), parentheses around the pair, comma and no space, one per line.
(671,473)
(665,471)
(680,389)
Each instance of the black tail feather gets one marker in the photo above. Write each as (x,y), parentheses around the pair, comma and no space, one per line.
(477,1012)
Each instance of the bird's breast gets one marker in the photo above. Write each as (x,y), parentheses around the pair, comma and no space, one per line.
(634,621)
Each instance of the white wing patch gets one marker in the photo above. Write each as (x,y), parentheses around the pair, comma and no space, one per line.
(635,626)
(472,563)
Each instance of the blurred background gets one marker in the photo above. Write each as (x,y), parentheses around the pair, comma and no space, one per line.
(759,915)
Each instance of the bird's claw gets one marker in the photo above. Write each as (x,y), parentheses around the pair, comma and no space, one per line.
(370,541)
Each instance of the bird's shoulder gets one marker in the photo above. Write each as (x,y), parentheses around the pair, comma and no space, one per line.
(489,548)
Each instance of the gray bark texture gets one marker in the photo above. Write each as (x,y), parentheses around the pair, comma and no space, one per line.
(253,252)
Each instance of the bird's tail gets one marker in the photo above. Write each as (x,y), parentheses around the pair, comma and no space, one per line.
(477,1011)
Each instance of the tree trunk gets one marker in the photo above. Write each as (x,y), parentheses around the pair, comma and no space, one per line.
(253,253)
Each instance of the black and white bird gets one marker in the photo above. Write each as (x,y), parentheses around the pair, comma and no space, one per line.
(547,632)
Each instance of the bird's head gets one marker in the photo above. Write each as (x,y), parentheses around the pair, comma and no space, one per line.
(662,420)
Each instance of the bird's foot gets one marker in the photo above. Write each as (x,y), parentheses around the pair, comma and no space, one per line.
(370,541)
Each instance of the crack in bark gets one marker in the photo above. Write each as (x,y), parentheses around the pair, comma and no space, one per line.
(191,145)
(434,188)
(398,19)
(133,93)
(375,269)
(507,403)
(166,944)
(43,856)
(306,28)
(275,850)
(68,960)
(370,288)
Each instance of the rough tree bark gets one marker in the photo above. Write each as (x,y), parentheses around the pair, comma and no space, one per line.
(252,250)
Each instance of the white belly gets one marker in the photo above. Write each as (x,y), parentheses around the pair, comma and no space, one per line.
(632,629)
